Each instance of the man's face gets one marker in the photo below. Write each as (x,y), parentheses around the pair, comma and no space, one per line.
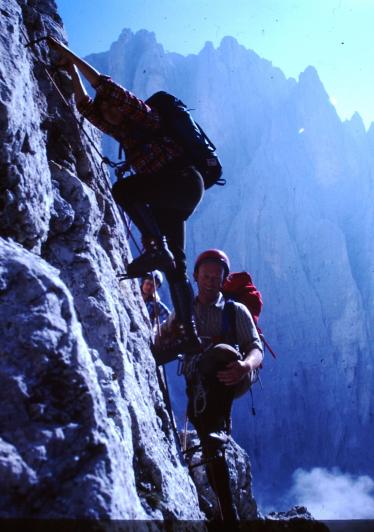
(209,280)
(148,287)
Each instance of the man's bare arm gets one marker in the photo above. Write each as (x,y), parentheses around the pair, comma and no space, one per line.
(80,92)
(235,371)
(89,72)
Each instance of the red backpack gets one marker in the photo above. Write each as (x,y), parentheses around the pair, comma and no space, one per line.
(238,286)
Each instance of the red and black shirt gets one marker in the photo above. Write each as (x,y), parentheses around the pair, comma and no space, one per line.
(147,153)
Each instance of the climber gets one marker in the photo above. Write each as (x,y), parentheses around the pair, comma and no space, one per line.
(219,374)
(159,197)
(157,310)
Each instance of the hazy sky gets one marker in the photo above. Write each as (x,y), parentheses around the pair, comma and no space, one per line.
(335,36)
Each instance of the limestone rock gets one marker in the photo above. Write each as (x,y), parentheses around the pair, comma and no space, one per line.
(240,476)
(84,428)
(297,213)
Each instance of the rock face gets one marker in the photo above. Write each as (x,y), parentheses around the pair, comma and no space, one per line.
(296,212)
(240,475)
(84,428)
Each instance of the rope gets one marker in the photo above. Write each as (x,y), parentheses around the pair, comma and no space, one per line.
(156,308)
(128,223)
(129,232)
(120,167)
(163,376)
(104,160)
(193,377)
(184,446)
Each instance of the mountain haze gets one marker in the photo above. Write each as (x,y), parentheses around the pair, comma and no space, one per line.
(297,212)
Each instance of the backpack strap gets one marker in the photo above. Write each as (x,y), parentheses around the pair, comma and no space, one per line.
(229,335)
(228,327)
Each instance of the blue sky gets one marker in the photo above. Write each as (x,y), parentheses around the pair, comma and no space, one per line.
(335,36)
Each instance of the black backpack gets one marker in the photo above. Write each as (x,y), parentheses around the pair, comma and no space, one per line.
(180,126)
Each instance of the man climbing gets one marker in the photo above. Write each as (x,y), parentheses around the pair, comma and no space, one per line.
(215,376)
(161,194)
(157,310)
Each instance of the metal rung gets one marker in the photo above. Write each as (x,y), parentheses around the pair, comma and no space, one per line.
(192,450)
(202,463)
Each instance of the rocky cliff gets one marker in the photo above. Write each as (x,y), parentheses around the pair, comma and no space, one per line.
(297,213)
(84,428)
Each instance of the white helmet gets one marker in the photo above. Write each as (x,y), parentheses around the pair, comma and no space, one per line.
(155,276)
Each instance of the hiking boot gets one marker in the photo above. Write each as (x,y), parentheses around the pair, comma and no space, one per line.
(186,342)
(188,339)
(156,256)
(216,440)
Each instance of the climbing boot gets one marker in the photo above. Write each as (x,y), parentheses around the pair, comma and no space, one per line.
(185,340)
(216,440)
(156,256)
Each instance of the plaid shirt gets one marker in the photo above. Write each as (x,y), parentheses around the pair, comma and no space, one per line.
(146,154)
(209,323)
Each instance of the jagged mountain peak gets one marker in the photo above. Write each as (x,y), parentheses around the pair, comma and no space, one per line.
(208,48)
(356,124)
(228,42)
(310,81)
(76,351)
(144,36)
(136,43)
(291,213)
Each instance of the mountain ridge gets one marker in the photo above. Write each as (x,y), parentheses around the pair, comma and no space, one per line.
(293,215)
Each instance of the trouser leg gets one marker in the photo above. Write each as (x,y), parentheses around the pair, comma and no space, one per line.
(127,193)
(159,204)
(166,194)
(219,478)
(182,296)
(212,426)
(156,252)
(186,339)
(144,219)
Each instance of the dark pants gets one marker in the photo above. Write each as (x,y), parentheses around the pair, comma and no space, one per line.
(216,417)
(171,196)
(211,426)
